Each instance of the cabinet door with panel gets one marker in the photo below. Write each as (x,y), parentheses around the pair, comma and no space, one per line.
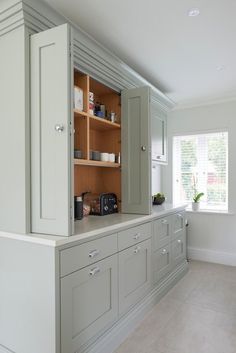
(134,274)
(178,249)
(159,133)
(136,146)
(89,303)
(51,119)
(161,262)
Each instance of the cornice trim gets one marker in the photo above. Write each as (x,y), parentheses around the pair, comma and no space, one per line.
(11,18)
(206,102)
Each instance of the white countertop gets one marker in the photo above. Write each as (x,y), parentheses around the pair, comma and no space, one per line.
(93,226)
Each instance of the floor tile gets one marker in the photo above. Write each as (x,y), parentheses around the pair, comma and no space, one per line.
(197,316)
(215,293)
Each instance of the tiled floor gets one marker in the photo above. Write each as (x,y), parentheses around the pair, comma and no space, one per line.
(197,316)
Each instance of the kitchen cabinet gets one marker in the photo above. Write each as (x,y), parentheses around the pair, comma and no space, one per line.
(54,58)
(159,133)
(89,303)
(95,286)
(168,244)
(134,274)
(57,129)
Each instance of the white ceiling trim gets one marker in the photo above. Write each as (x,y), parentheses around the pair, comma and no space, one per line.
(193,103)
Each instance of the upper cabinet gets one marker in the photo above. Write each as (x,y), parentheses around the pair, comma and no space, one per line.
(87,136)
(159,133)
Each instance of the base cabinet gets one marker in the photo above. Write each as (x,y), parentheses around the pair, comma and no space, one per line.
(89,303)
(131,264)
(134,274)
(168,244)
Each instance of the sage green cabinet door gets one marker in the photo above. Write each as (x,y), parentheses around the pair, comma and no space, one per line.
(134,274)
(51,118)
(136,151)
(89,303)
(161,263)
(178,249)
(159,134)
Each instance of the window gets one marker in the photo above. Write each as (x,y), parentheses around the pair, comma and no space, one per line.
(200,164)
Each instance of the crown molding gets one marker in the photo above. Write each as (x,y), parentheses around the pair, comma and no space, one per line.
(11,16)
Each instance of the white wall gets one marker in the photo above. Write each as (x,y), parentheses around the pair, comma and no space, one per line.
(211,237)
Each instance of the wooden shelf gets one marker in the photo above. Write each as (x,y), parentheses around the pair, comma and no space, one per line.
(80,113)
(102,124)
(92,163)
(97,123)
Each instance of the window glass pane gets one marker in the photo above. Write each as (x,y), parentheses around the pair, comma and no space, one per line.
(200,164)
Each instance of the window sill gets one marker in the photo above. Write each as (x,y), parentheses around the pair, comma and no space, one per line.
(222,213)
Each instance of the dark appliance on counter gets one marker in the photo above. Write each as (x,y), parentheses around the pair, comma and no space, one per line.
(102,204)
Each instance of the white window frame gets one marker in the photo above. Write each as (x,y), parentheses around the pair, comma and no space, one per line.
(195,133)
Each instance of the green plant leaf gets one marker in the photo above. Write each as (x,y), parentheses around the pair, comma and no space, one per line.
(197,197)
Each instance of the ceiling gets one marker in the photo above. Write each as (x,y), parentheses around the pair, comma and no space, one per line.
(190,59)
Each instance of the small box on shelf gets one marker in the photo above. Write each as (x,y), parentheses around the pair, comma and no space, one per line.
(78,98)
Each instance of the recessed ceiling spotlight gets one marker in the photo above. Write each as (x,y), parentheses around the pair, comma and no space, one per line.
(193,12)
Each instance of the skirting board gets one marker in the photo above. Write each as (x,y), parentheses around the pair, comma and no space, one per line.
(114,336)
(217,257)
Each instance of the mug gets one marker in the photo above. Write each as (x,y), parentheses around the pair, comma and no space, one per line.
(104,157)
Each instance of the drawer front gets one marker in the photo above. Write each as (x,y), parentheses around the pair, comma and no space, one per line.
(134,235)
(79,256)
(161,263)
(178,222)
(134,274)
(178,249)
(161,232)
(89,303)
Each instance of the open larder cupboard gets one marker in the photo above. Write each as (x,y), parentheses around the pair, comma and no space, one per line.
(57,129)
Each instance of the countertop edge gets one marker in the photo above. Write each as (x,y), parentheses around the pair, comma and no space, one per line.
(76,239)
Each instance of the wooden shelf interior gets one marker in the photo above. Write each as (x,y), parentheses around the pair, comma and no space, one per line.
(97,180)
(97,134)
(106,96)
(92,163)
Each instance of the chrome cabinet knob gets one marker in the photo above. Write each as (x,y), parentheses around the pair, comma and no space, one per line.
(93,253)
(59,128)
(164,252)
(179,241)
(94,271)
(137,236)
(143,148)
(137,249)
